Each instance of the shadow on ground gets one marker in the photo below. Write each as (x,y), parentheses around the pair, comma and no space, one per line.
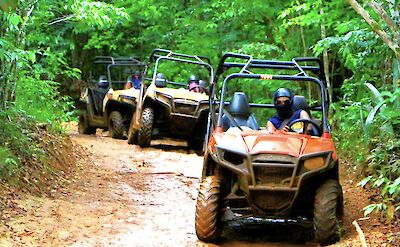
(257,231)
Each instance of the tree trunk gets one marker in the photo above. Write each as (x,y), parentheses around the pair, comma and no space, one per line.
(325,55)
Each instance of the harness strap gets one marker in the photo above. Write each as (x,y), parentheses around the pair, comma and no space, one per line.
(287,120)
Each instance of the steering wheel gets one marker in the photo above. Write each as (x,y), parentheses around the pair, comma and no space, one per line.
(306,122)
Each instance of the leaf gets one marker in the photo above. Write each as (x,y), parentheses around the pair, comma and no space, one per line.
(375,91)
(372,113)
(15,20)
(379,182)
(369,209)
(363,182)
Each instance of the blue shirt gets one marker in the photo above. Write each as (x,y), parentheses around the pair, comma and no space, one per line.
(277,121)
(136,83)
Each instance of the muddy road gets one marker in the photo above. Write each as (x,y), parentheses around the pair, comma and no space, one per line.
(123,195)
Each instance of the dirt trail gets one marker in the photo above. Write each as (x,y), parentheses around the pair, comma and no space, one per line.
(122,195)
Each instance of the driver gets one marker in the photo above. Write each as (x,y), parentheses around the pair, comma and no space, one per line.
(134,81)
(137,79)
(283,102)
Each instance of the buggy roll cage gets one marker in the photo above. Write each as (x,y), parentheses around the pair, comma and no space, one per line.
(167,53)
(245,72)
(110,61)
(161,54)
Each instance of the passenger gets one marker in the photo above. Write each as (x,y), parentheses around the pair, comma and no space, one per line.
(128,83)
(137,79)
(203,86)
(283,102)
(194,84)
(134,81)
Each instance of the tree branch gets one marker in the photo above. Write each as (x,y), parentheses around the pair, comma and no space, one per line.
(375,27)
(62,19)
(381,11)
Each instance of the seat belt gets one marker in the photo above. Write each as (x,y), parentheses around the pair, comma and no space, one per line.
(286,121)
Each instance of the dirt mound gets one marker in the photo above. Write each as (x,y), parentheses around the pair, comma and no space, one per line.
(40,176)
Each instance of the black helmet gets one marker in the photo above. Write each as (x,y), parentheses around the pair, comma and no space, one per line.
(203,83)
(103,83)
(284,111)
(283,92)
(193,78)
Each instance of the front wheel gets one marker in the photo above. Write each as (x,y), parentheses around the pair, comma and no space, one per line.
(84,125)
(146,127)
(116,125)
(208,210)
(328,209)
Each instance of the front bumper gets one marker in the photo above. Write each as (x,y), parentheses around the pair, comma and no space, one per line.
(271,182)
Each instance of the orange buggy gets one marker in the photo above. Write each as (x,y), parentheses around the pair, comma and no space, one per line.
(253,173)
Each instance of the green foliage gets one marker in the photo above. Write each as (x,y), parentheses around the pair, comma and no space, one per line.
(18,146)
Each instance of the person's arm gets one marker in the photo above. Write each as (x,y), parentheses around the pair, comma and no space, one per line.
(270,127)
(304,114)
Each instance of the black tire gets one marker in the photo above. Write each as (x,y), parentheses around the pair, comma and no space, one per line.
(116,125)
(146,127)
(84,125)
(197,146)
(328,209)
(208,210)
(132,133)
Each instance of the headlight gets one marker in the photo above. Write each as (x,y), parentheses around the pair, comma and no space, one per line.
(233,158)
(314,163)
(163,98)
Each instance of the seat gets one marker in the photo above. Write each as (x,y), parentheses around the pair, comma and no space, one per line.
(300,102)
(99,93)
(239,111)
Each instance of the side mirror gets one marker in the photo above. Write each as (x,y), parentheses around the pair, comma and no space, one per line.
(161,82)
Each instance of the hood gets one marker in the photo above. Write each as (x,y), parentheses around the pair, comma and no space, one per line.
(182,93)
(130,93)
(256,142)
(275,143)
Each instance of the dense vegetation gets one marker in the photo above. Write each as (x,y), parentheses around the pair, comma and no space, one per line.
(47,45)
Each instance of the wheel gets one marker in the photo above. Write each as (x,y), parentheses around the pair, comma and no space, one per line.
(84,126)
(208,210)
(328,210)
(132,133)
(116,125)
(196,145)
(146,127)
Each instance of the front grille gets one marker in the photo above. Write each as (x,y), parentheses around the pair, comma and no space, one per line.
(271,169)
(272,175)
(185,108)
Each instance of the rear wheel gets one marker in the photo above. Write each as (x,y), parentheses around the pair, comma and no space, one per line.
(196,145)
(84,125)
(328,209)
(146,127)
(208,210)
(116,125)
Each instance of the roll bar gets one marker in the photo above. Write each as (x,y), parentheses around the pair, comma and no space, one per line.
(157,53)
